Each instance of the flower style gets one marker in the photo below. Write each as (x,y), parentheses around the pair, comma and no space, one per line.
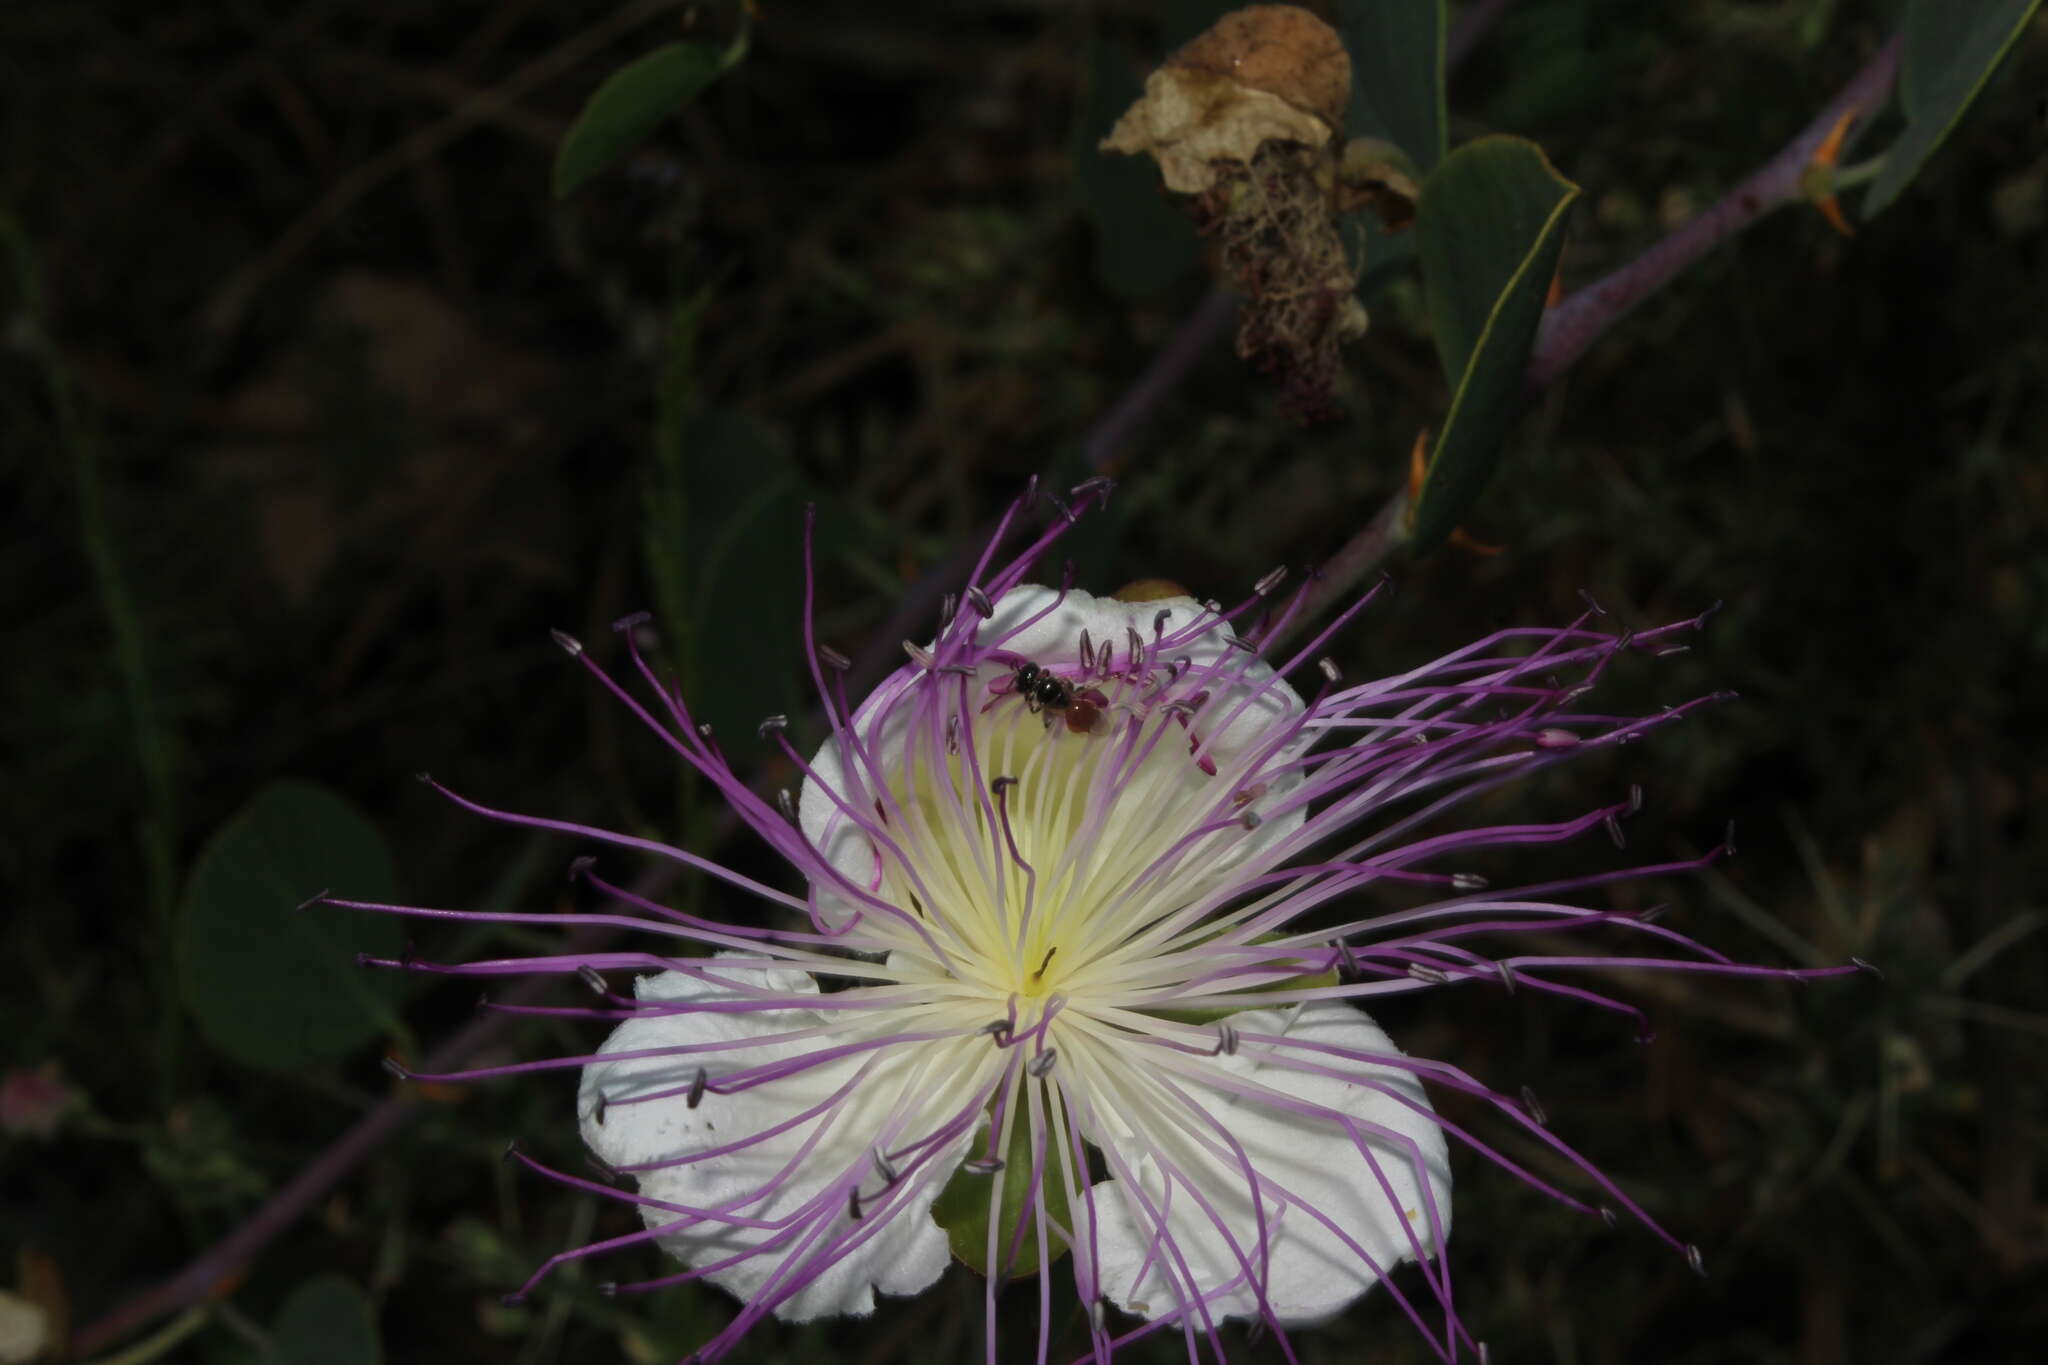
(1079,966)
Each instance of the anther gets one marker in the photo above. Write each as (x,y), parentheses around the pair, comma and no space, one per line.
(919,655)
(1060,505)
(569,643)
(1552,737)
(1250,819)
(979,600)
(704,728)
(1728,840)
(883,1168)
(699,1083)
(316,897)
(1614,830)
(985,1165)
(1593,606)
(771,724)
(602,1107)
(1101,483)
(593,978)
(1607,1217)
(1330,669)
(1695,1260)
(630,620)
(1234,641)
(832,658)
(1256,1332)
(1469,881)
(1159,621)
(1625,639)
(1535,1108)
(1635,800)
(1868,967)
(1087,651)
(423,777)
(853,1203)
(1654,913)
(1485,1357)
(1039,1067)
(1436,976)
(949,607)
(579,868)
(1045,962)
(1507,976)
(1667,651)
(1274,577)
(607,1289)
(786,803)
(997,786)
(1226,1040)
(397,1068)
(995,1028)
(511,1152)
(952,734)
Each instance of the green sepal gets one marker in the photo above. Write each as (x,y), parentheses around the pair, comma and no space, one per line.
(962,1208)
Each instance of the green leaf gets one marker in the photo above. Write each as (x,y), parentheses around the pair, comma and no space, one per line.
(627,107)
(271,984)
(1143,243)
(745,514)
(326,1321)
(962,1208)
(1950,49)
(1397,73)
(1488,229)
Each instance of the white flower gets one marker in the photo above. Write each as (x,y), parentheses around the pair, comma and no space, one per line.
(1093,897)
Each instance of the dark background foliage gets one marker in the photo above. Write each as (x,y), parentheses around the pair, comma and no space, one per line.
(353,412)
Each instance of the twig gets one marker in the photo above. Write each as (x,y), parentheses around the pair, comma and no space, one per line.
(1568,329)
(1573,325)
(223,313)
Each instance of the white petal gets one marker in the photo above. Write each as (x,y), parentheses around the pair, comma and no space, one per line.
(1246,704)
(1312,1273)
(904,1257)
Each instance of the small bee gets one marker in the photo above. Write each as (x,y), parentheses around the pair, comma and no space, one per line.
(1044,690)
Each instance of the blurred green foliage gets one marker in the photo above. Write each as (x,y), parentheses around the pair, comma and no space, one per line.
(318,410)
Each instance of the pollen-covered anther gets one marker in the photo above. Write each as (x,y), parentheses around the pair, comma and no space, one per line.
(569,643)
(1329,669)
(699,1083)
(1040,1066)
(1270,580)
(771,725)
(593,978)
(919,655)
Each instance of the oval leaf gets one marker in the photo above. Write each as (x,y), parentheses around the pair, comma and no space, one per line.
(326,1321)
(1488,231)
(962,1208)
(271,984)
(1397,73)
(634,101)
(1949,51)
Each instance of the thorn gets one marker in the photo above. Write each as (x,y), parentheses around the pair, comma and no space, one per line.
(569,643)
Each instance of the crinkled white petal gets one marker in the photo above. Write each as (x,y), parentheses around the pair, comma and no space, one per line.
(1247,704)
(1312,1273)
(904,1257)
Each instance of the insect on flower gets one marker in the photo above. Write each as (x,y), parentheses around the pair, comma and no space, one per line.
(1093,993)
